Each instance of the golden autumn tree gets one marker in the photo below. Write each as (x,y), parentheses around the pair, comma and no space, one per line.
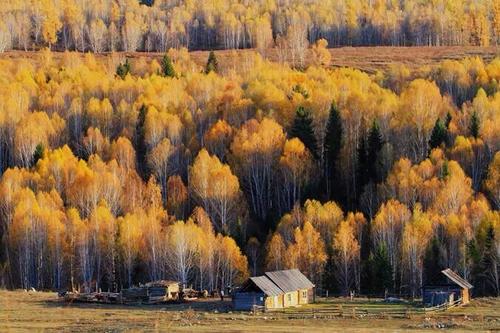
(416,236)
(256,149)
(177,196)
(320,54)
(387,229)
(307,252)
(492,182)
(130,229)
(160,163)
(296,164)
(181,249)
(215,187)
(347,251)
(275,253)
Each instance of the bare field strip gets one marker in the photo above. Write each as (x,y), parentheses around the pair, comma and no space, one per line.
(22,311)
(369,59)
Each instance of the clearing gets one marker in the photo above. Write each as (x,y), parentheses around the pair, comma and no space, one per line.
(22,311)
(368,59)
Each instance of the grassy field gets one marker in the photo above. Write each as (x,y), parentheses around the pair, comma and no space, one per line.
(42,312)
(369,59)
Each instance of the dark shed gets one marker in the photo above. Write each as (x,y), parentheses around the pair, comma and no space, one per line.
(258,291)
(454,288)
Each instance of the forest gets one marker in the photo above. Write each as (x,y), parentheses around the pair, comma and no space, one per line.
(121,170)
(158,25)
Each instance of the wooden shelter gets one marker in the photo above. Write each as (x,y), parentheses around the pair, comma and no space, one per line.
(297,287)
(274,290)
(453,289)
(152,292)
(258,291)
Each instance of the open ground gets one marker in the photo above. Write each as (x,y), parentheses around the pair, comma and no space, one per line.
(368,59)
(22,311)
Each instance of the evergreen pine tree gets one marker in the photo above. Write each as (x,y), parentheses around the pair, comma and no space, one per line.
(433,263)
(38,154)
(332,147)
(123,69)
(488,267)
(445,172)
(167,67)
(379,271)
(439,135)
(448,120)
(474,259)
(362,171)
(212,63)
(329,273)
(302,128)
(140,143)
(375,144)
(474,125)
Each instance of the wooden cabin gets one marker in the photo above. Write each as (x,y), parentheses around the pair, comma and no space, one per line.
(152,292)
(297,287)
(274,290)
(453,288)
(258,291)
(163,290)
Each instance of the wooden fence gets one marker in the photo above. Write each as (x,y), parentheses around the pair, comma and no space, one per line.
(338,312)
(444,306)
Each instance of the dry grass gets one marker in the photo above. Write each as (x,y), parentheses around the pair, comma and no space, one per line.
(41,312)
(369,59)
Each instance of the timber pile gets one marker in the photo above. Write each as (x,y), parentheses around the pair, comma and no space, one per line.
(190,294)
(94,297)
(135,295)
(149,293)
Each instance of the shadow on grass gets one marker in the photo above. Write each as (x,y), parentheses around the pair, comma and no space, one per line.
(205,305)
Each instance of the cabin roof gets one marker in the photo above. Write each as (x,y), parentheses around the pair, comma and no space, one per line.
(457,279)
(161,283)
(266,285)
(290,280)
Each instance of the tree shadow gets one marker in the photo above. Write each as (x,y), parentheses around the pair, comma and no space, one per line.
(202,305)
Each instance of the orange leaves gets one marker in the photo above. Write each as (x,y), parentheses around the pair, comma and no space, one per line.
(455,192)
(307,252)
(123,152)
(33,129)
(159,160)
(188,246)
(216,189)
(162,125)
(320,54)
(100,113)
(218,138)
(436,184)
(130,240)
(295,160)
(421,105)
(275,252)
(324,217)
(345,243)
(492,182)
(258,143)
(177,196)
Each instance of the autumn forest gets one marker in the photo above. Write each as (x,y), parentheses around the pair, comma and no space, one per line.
(120,168)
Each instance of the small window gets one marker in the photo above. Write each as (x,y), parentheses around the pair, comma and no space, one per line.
(304,294)
(289,297)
